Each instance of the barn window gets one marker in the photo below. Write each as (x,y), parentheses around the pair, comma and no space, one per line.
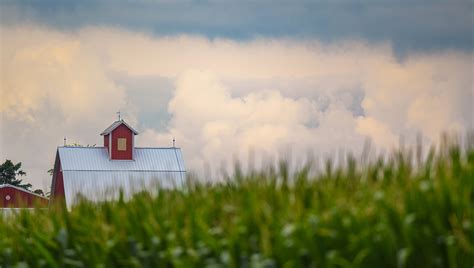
(122,144)
(7,197)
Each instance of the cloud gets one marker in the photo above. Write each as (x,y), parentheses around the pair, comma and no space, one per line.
(51,87)
(223,97)
(216,128)
(55,69)
(408,25)
(379,132)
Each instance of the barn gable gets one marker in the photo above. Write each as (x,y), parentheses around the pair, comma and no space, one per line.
(57,184)
(16,197)
(115,125)
(119,139)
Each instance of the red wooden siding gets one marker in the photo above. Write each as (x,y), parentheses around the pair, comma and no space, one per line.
(122,132)
(106,141)
(10,197)
(58,189)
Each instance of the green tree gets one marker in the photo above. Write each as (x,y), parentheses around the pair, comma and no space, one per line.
(39,191)
(9,173)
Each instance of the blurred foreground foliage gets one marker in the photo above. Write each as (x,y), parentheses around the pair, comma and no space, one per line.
(397,211)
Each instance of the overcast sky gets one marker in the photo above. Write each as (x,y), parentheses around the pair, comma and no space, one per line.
(224,77)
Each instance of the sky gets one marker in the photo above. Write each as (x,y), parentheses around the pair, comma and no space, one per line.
(232,80)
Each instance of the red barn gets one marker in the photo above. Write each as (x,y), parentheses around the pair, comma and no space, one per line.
(100,173)
(16,197)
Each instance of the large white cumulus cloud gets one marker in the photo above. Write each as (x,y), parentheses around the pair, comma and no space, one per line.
(215,127)
(52,86)
(229,96)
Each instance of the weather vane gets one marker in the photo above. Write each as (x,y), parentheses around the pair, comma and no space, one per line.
(119,117)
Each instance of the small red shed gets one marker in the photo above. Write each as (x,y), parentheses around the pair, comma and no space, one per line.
(119,139)
(16,197)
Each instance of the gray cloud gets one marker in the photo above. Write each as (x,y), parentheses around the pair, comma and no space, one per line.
(408,25)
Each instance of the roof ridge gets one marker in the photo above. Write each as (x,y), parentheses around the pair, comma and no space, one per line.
(96,158)
(83,147)
(157,148)
(122,170)
(102,147)
(115,124)
(22,189)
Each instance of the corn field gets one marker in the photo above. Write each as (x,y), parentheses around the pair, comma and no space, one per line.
(393,211)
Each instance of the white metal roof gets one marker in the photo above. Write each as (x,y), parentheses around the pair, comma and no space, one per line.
(100,186)
(87,171)
(21,189)
(145,159)
(115,125)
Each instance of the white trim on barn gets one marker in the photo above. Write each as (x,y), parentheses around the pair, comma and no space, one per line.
(110,146)
(115,125)
(21,189)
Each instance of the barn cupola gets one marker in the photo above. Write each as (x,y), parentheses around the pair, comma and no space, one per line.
(119,140)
